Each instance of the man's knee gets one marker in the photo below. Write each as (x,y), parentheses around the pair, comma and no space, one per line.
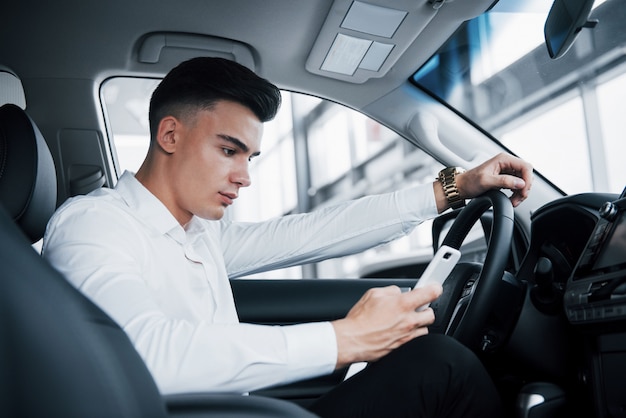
(433,375)
(432,351)
(446,370)
(439,364)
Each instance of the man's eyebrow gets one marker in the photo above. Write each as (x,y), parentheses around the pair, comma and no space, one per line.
(238,143)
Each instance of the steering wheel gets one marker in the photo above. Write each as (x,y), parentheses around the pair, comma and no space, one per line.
(471,290)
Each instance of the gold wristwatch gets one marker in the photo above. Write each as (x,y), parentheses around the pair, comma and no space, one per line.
(447,178)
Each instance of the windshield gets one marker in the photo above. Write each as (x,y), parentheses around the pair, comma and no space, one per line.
(563,115)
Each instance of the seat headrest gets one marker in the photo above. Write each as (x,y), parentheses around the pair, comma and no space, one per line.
(11,90)
(28,185)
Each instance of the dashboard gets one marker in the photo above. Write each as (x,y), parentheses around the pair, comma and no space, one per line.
(575,268)
(560,231)
(580,257)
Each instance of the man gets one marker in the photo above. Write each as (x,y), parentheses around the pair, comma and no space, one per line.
(155,254)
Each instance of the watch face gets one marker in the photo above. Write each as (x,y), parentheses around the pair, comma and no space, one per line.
(450,171)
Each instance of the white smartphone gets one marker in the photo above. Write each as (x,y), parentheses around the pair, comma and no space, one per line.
(439,268)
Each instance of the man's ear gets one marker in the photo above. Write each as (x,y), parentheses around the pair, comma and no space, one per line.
(167,134)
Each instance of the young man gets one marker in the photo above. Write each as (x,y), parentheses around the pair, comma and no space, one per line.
(155,254)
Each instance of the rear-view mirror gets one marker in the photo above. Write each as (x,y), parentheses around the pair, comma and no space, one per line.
(565,21)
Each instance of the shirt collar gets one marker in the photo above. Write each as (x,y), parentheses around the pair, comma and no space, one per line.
(148,208)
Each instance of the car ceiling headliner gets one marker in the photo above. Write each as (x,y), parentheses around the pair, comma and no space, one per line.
(94,40)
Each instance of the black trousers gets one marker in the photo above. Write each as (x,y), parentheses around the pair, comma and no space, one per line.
(430,376)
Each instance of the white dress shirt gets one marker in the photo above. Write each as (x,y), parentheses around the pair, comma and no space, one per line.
(168,286)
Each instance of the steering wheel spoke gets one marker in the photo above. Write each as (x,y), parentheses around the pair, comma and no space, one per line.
(471,290)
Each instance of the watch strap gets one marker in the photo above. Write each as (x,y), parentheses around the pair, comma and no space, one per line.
(447,178)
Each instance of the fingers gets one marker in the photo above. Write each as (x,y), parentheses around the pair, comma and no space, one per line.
(409,322)
(415,322)
(504,171)
(382,320)
(415,333)
(407,302)
(517,185)
(424,295)
(516,175)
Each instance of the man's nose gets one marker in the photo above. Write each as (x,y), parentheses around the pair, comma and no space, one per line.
(241,176)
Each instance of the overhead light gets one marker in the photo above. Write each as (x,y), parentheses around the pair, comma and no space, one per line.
(376,56)
(363,39)
(345,54)
(372,19)
(348,53)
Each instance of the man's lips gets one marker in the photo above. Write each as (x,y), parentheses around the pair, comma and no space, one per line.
(227,198)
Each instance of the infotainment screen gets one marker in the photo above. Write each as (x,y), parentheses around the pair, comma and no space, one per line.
(595,292)
(612,253)
(606,250)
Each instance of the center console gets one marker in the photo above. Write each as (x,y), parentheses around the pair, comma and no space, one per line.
(596,291)
(595,302)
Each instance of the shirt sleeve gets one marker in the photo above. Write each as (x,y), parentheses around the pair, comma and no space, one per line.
(339,230)
(99,250)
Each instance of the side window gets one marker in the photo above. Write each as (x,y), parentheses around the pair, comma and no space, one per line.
(126,102)
(341,155)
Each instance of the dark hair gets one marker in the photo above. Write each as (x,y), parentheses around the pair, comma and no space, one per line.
(201,82)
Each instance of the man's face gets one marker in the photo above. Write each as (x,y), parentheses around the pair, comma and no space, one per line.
(210,162)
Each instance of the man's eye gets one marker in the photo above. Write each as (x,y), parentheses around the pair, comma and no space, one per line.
(228,151)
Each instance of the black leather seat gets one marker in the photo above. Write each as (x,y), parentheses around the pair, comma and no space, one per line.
(28,185)
(60,355)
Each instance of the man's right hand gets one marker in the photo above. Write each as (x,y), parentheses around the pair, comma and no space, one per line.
(381,321)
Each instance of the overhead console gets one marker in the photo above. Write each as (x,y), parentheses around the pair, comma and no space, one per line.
(363,39)
(596,291)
